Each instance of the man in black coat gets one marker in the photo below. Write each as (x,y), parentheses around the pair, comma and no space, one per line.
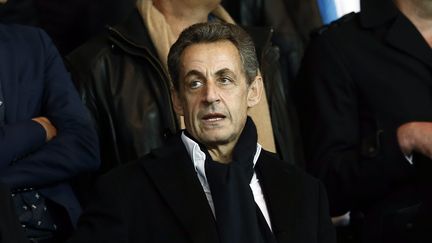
(365,102)
(123,80)
(213,182)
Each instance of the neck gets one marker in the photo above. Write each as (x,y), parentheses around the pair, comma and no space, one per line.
(181,14)
(419,12)
(221,153)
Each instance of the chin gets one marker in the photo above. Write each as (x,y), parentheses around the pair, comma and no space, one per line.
(215,140)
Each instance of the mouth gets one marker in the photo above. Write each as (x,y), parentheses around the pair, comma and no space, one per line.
(213,117)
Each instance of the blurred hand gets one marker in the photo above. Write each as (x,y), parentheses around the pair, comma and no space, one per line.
(50,129)
(416,137)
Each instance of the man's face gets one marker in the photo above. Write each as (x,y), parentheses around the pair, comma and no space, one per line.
(213,93)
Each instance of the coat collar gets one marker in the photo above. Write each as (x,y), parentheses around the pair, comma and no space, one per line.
(399,32)
(133,32)
(174,175)
(403,35)
(377,12)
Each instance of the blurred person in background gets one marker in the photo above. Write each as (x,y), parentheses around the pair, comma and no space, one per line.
(365,102)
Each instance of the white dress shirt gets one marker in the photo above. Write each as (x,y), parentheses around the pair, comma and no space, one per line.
(198,158)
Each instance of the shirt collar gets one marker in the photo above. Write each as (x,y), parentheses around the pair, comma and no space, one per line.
(198,157)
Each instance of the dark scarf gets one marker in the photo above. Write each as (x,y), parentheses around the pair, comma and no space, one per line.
(238,218)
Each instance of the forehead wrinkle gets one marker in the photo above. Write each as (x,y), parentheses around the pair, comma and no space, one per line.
(204,63)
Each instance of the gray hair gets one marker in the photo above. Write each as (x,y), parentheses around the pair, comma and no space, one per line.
(210,33)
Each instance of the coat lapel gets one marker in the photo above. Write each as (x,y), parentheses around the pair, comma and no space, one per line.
(404,36)
(174,176)
(401,34)
(281,203)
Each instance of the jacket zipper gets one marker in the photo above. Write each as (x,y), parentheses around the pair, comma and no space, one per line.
(160,69)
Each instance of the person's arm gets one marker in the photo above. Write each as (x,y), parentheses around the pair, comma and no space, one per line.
(74,149)
(49,128)
(19,139)
(88,66)
(335,131)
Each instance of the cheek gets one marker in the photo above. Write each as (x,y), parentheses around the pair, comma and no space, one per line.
(238,109)
(192,109)
(239,100)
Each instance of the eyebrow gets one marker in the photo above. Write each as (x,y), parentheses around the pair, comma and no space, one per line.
(194,73)
(225,72)
(219,73)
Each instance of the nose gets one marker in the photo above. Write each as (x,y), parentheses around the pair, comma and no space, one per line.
(211,93)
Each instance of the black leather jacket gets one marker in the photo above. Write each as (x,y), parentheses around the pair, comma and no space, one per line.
(126,89)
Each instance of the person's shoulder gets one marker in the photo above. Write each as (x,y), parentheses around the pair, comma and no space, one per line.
(31,42)
(136,168)
(18,29)
(129,177)
(338,35)
(338,28)
(91,51)
(16,32)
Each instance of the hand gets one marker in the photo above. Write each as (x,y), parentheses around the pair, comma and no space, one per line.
(50,129)
(342,220)
(415,136)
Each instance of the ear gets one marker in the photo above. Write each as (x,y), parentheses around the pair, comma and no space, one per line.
(255,91)
(177,104)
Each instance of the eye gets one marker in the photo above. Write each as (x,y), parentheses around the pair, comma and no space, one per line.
(195,84)
(225,80)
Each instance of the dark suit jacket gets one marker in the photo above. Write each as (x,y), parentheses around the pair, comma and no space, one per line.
(160,199)
(35,83)
(363,77)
